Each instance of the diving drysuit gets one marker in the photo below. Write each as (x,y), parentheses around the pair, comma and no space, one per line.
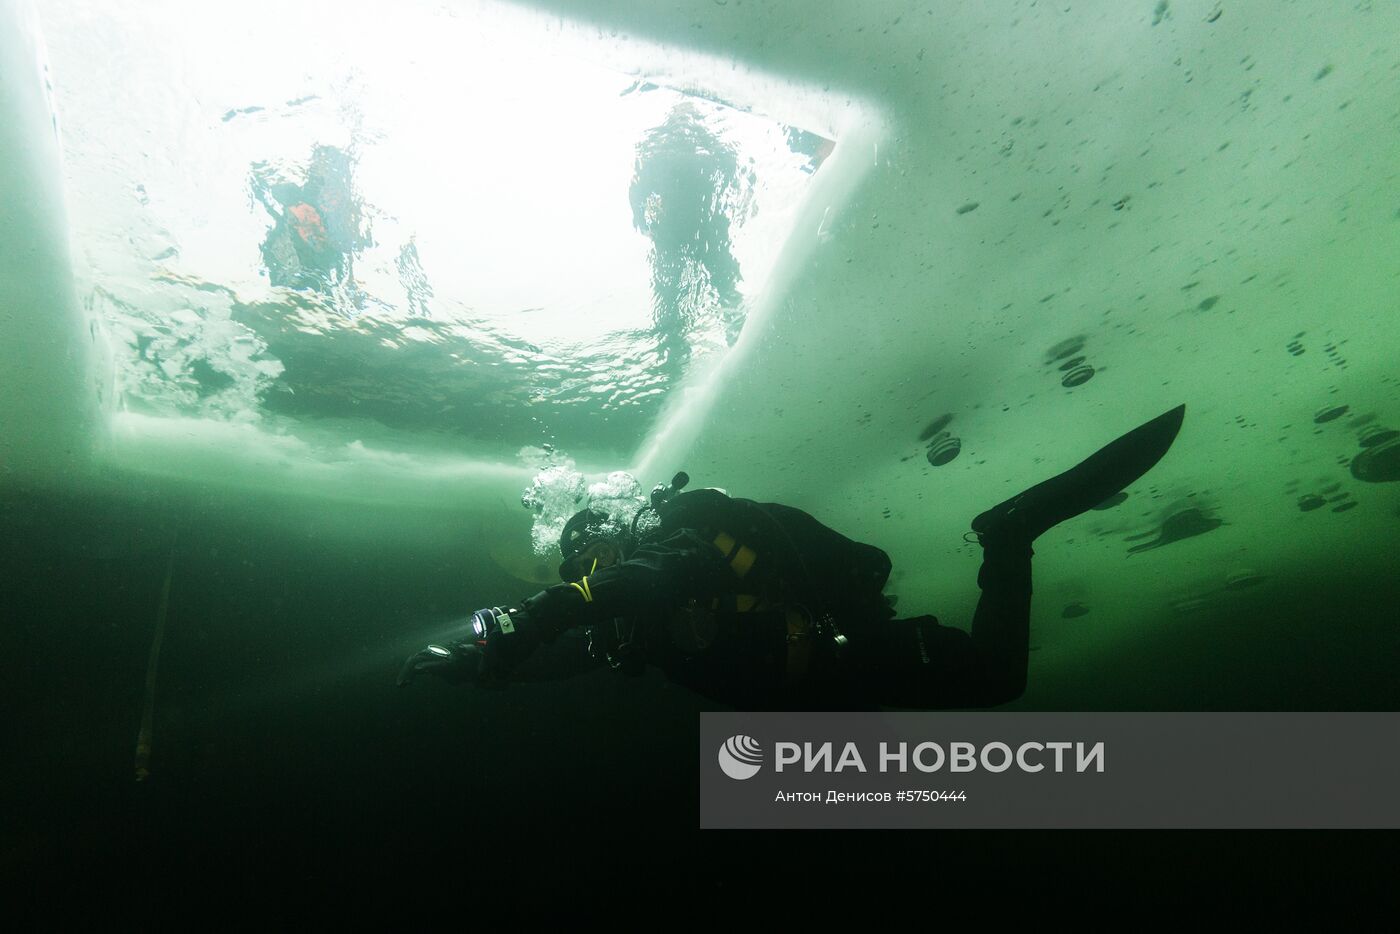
(759,605)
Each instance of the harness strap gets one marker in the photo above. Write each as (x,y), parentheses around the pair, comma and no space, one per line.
(799,629)
(740,557)
(799,642)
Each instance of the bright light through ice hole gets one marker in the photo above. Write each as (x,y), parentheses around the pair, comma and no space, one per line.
(410,216)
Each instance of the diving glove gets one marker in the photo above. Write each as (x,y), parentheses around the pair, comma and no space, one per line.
(456,663)
(499,640)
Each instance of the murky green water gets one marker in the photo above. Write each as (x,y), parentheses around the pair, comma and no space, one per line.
(298,300)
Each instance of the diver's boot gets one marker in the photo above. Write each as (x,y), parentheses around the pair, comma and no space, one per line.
(1022,518)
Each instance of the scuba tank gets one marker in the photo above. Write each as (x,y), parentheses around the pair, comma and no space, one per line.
(840,578)
(835,579)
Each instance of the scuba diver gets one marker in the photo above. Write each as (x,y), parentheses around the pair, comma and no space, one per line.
(760,606)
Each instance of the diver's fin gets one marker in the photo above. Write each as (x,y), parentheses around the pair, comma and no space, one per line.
(1023,517)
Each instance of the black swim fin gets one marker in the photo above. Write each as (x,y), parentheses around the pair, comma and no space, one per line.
(1023,517)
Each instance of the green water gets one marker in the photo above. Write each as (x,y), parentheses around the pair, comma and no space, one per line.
(1040,225)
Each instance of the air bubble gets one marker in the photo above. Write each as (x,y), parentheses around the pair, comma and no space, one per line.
(1328,412)
(943,449)
(1077,377)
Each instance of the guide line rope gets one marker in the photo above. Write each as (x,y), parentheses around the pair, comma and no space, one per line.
(143,739)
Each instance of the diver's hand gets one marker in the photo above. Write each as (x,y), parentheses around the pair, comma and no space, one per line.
(455,663)
(507,638)
(499,640)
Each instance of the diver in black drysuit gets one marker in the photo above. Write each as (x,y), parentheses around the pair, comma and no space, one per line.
(760,606)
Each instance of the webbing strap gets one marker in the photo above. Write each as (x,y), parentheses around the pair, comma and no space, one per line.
(799,629)
(740,557)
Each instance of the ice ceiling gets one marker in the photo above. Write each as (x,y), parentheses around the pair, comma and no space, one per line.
(1040,225)
(415,218)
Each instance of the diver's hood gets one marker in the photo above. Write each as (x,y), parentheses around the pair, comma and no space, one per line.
(583,528)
